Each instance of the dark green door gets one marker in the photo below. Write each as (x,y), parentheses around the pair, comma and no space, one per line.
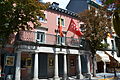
(42,65)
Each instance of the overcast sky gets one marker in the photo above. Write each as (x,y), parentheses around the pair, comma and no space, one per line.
(62,3)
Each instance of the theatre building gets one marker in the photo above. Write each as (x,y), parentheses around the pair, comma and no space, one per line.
(43,54)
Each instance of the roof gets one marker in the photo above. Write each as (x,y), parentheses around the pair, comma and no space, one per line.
(115,55)
(101,56)
(81,5)
(67,12)
(77,5)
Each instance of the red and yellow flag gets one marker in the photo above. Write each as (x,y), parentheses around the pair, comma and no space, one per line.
(60,28)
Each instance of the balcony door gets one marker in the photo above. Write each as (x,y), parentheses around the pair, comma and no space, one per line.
(40,37)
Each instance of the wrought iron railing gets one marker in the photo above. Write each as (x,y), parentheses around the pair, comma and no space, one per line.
(31,36)
(50,39)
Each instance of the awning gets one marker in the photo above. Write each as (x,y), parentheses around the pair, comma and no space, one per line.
(115,55)
(101,56)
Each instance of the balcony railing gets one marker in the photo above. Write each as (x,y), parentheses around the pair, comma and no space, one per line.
(50,39)
(27,36)
(31,36)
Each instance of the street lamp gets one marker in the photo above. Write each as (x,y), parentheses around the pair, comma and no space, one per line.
(113,56)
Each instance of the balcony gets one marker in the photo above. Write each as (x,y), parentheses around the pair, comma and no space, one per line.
(26,36)
(46,39)
(43,39)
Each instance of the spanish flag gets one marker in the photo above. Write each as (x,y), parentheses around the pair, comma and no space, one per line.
(60,28)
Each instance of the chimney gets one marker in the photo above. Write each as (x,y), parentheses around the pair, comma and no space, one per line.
(55,4)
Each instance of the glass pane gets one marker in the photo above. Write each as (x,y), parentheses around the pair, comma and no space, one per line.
(58,39)
(37,35)
(62,21)
(40,36)
(63,39)
(58,21)
(42,18)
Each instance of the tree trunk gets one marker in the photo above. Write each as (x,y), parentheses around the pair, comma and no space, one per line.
(94,65)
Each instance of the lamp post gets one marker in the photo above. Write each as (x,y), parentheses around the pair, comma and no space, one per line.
(113,56)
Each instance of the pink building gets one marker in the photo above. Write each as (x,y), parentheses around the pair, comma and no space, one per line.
(43,54)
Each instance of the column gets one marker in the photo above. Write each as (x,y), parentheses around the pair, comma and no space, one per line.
(56,77)
(104,67)
(88,66)
(35,76)
(79,76)
(18,66)
(65,67)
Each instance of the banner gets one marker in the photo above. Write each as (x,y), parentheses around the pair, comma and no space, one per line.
(73,28)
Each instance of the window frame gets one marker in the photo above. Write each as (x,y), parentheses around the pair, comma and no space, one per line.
(40,39)
(43,20)
(63,22)
(82,27)
(60,40)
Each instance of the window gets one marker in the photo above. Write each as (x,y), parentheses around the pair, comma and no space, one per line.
(62,21)
(60,40)
(43,19)
(82,27)
(41,37)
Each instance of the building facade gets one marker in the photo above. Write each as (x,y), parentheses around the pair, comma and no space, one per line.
(108,56)
(43,54)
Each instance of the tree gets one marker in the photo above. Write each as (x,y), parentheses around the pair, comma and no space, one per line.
(15,15)
(97,25)
(114,7)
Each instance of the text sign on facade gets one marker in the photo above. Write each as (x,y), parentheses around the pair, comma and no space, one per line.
(27,47)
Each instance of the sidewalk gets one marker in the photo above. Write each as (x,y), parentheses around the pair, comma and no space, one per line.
(106,76)
(103,78)
(99,76)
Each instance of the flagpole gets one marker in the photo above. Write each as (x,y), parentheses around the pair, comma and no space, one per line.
(66,37)
(60,35)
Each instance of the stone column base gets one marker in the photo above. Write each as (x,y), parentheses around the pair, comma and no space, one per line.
(89,75)
(56,78)
(35,79)
(65,77)
(17,78)
(80,76)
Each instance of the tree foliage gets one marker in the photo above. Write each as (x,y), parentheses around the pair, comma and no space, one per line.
(16,14)
(114,7)
(97,26)
(114,4)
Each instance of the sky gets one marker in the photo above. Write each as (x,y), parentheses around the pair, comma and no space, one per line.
(62,3)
